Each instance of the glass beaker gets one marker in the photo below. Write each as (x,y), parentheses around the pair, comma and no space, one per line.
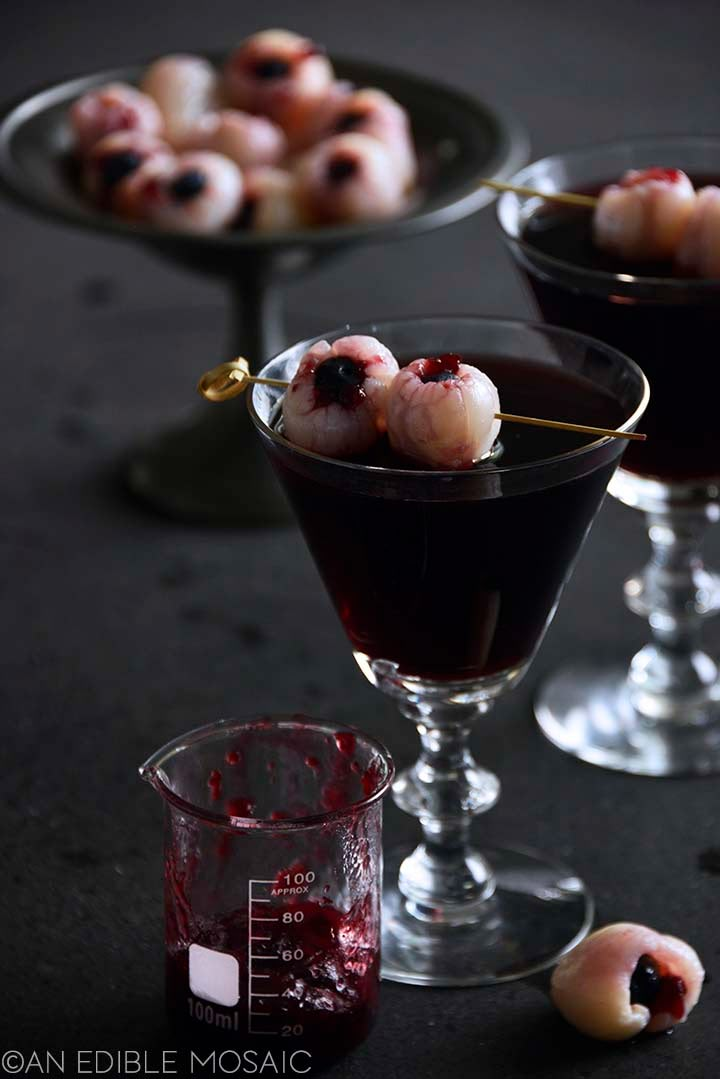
(273,867)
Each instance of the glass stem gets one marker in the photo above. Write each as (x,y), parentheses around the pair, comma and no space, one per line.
(671,678)
(256,329)
(444,879)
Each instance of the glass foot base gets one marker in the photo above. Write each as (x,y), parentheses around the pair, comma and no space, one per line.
(539,911)
(212,471)
(588,712)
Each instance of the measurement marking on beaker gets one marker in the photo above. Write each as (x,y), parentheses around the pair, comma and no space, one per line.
(252,958)
(249,981)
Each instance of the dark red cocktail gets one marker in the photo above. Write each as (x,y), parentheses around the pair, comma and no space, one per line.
(660,715)
(669,331)
(461,588)
(445,581)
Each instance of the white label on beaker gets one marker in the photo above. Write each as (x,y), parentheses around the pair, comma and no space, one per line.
(214,976)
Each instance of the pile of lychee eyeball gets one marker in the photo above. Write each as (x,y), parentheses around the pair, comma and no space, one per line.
(437,411)
(273,142)
(657,215)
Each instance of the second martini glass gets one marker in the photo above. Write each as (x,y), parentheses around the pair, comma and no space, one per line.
(662,715)
(445,583)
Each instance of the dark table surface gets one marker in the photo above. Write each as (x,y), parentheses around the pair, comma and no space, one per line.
(123,629)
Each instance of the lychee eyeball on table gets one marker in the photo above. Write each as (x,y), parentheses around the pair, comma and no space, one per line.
(625,979)
(441,413)
(202,193)
(280,74)
(335,404)
(350,178)
(113,107)
(184,88)
(644,216)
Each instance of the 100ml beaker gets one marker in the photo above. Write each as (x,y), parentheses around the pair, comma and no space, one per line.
(273,866)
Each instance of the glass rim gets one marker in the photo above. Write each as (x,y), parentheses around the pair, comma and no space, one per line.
(489,469)
(624,280)
(150,771)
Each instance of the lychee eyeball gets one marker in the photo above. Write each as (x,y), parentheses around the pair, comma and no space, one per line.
(335,404)
(184,88)
(441,412)
(373,112)
(350,178)
(644,216)
(279,74)
(271,201)
(699,252)
(625,979)
(114,158)
(132,196)
(114,107)
(319,118)
(202,193)
(247,140)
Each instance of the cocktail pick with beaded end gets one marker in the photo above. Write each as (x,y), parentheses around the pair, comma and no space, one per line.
(233,378)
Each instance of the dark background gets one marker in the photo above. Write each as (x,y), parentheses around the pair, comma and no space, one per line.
(122,629)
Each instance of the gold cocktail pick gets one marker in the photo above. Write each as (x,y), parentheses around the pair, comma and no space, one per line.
(569,198)
(233,378)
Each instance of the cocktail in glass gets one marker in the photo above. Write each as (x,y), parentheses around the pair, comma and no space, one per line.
(662,716)
(445,583)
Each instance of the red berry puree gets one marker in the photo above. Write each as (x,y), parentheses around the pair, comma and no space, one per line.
(285,957)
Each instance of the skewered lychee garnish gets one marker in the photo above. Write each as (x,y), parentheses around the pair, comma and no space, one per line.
(644,216)
(116,157)
(114,107)
(625,979)
(184,88)
(246,139)
(350,178)
(441,411)
(280,74)
(335,404)
(202,192)
(699,251)
(375,113)
(271,202)
(650,215)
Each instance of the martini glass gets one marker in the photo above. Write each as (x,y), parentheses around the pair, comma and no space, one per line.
(211,468)
(445,583)
(662,715)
